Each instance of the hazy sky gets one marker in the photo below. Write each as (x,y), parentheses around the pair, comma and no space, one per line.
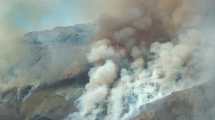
(31,15)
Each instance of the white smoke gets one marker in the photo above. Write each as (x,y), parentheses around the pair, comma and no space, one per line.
(137,85)
(102,75)
(153,45)
(101,50)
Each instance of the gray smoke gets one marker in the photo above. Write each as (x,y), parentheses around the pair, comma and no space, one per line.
(157,48)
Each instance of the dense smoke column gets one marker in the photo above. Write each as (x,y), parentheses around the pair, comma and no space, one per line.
(141,53)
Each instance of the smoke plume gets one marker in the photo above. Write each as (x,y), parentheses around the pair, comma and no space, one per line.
(144,50)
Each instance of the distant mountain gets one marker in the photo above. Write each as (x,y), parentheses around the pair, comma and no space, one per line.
(52,52)
(50,55)
(77,34)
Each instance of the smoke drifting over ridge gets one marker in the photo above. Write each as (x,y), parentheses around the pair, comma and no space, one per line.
(143,51)
(13,48)
(16,18)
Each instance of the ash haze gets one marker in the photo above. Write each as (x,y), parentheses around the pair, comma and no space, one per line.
(18,17)
(142,51)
